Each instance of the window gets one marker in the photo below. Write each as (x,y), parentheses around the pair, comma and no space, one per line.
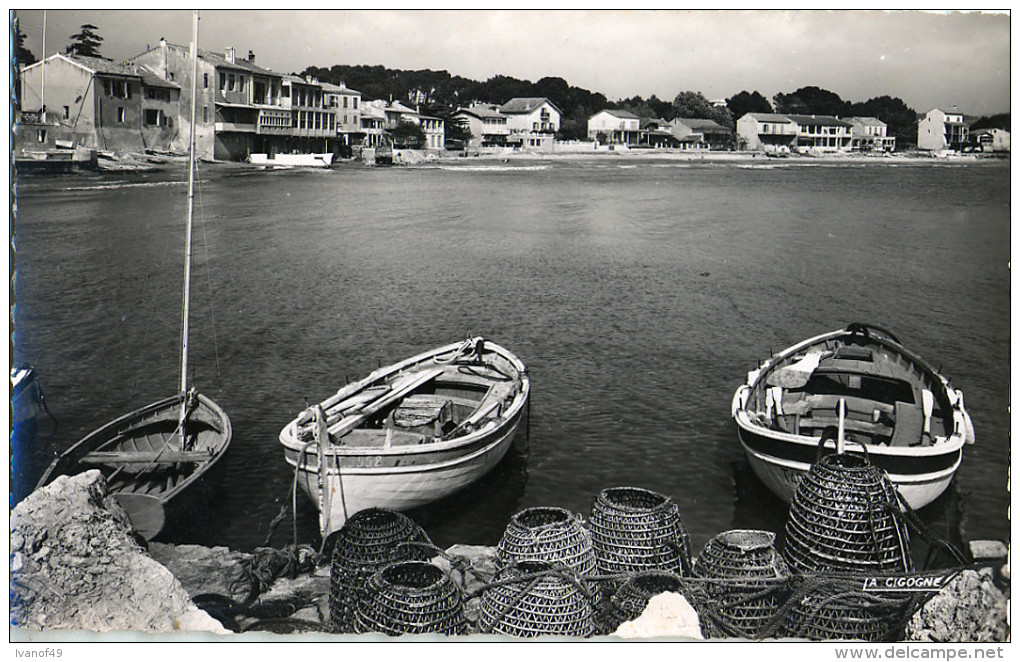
(223,81)
(67,112)
(41,135)
(152,117)
(205,113)
(355,100)
(121,114)
(205,81)
(345,102)
(170,75)
(230,83)
(106,88)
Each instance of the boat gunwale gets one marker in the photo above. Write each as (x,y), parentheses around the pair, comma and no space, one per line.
(289,440)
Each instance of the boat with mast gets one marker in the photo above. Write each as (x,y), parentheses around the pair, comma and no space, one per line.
(154,458)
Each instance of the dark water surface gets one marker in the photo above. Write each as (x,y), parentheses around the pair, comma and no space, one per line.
(638,295)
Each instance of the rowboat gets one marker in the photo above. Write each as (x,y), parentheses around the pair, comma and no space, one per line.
(410,433)
(310,160)
(859,388)
(155,458)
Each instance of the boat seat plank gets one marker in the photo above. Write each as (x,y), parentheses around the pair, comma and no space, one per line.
(400,389)
(909,425)
(140,457)
(815,422)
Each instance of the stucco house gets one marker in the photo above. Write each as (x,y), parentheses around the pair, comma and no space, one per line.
(821,133)
(990,140)
(766,132)
(870,134)
(488,126)
(709,134)
(615,127)
(939,130)
(532,122)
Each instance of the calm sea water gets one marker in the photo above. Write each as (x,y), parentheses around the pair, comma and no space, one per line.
(638,293)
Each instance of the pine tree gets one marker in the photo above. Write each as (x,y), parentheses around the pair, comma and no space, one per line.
(86,42)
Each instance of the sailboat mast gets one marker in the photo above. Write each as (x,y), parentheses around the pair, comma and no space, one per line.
(191,206)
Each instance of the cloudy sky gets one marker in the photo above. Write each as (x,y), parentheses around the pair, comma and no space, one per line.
(927,59)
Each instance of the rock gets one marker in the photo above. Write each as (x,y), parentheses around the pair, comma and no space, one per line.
(204,570)
(667,615)
(61,586)
(969,609)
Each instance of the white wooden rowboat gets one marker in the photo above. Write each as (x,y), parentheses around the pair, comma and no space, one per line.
(864,388)
(410,433)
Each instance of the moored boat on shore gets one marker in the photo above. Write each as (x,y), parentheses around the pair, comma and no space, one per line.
(303,160)
(410,433)
(860,387)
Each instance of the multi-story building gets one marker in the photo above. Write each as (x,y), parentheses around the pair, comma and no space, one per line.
(434,129)
(487,125)
(701,133)
(373,124)
(822,133)
(939,130)
(238,108)
(766,131)
(656,132)
(532,122)
(97,103)
(312,121)
(346,105)
(615,127)
(870,134)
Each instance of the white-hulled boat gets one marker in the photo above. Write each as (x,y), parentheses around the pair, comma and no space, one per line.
(310,160)
(154,458)
(863,387)
(410,433)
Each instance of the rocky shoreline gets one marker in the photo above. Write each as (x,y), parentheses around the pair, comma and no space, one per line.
(76,566)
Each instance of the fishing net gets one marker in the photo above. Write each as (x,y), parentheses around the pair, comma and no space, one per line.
(367,541)
(755,575)
(535,598)
(843,518)
(548,534)
(411,597)
(634,529)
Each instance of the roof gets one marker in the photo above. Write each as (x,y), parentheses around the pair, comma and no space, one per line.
(768,117)
(97,65)
(337,89)
(866,121)
(220,60)
(818,120)
(524,105)
(482,112)
(150,79)
(701,124)
(622,114)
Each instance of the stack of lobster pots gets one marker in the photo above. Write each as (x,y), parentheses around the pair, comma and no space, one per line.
(844,520)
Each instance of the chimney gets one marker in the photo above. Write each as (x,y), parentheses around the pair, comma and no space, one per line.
(251,56)
(229,55)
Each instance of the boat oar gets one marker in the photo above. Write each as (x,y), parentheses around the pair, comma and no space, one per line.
(321,440)
(840,440)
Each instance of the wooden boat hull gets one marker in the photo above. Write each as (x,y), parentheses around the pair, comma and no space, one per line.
(148,470)
(781,454)
(366,468)
(323,160)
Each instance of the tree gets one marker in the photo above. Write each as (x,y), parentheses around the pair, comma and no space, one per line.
(694,105)
(748,102)
(408,135)
(22,55)
(456,131)
(901,120)
(811,101)
(86,42)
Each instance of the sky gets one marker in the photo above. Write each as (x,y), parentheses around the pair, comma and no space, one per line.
(929,60)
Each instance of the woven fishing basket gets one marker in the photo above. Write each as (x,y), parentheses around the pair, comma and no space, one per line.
(411,597)
(748,579)
(844,518)
(830,613)
(367,541)
(634,529)
(630,600)
(548,534)
(535,598)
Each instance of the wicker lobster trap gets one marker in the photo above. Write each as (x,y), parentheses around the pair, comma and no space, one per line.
(411,597)
(834,607)
(747,579)
(630,600)
(634,530)
(535,598)
(844,517)
(548,534)
(367,541)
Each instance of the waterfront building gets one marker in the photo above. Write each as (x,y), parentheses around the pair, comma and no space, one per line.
(487,125)
(532,122)
(96,103)
(312,122)
(990,140)
(821,133)
(939,130)
(766,131)
(373,122)
(435,132)
(870,134)
(615,127)
(238,109)
(701,133)
(161,110)
(346,105)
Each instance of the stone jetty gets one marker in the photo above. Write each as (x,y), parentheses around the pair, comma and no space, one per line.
(77,565)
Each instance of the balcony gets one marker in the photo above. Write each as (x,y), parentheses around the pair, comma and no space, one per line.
(234,127)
